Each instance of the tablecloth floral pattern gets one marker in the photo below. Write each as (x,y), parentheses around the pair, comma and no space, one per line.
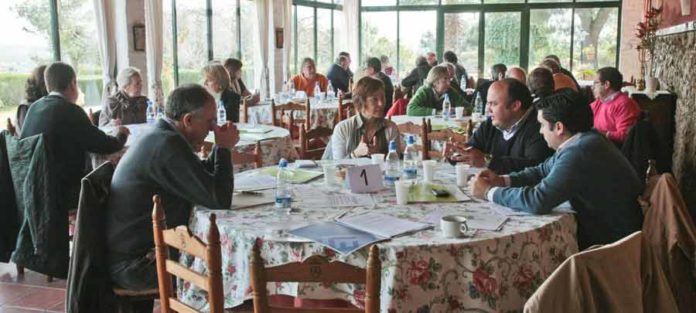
(323,113)
(421,272)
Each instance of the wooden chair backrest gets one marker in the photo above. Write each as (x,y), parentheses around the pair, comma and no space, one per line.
(316,269)
(240,158)
(288,121)
(345,109)
(182,239)
(11,128)
(443,135)
(307,135)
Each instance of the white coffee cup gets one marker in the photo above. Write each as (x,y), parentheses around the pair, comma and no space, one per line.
(329,173)
(429,167)
(462,171)
(402,188)
(459,112)
(453,226)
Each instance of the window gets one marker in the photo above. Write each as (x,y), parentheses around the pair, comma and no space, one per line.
(582,33)
(317,31)
(26,44)
(192,30)
(249,43)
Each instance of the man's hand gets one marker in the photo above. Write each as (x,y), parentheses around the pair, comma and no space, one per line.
(474,157)
(116,122)
(483,182)
(226,136)
(122,132)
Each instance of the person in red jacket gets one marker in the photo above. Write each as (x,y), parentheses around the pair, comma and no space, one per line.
(614,112)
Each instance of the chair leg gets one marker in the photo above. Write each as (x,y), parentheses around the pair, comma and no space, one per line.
(20,270)
(49,279)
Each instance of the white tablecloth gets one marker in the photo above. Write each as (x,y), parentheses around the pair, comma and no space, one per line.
(421,272)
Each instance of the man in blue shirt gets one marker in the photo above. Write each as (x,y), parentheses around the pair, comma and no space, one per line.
(587,170)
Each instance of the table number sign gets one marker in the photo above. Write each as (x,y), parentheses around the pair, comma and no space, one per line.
(366,178)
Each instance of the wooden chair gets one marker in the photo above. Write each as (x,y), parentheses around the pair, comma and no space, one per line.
(443,135)
(345,109)
(316,269)
(182,239)
(244,109)
(288,121)
(308,152)
(240,158)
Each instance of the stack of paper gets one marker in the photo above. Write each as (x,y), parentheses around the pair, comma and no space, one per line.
(255,182)
(423,193)
(244,200)
(297,176)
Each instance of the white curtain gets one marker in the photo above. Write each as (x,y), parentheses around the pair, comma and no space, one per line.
(107,44)
(263,14)
(287,37)
(351,13)
(153,49)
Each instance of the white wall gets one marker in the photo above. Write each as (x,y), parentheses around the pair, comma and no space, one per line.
(127,14)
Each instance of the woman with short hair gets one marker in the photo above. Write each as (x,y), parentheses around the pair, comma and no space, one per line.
(127,105)
(234,68)
(432,94)
(309,77)
(217,81)
(368,131)
(34,89)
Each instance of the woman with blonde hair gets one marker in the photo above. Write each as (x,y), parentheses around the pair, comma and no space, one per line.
(431,95)
(217,81)
(368,131)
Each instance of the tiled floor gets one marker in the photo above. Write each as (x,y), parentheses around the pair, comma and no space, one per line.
(30,292)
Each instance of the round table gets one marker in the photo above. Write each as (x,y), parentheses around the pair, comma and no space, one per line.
(494,271)
(275,143)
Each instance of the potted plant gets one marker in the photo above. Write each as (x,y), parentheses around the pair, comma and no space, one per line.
(646,31)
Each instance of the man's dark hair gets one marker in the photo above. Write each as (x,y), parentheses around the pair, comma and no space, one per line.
(498,68)
(232,64)
(516,90)
(450,56)
(421,61)
(568,109)
(612,75)
(185,99)
(540,82)
(375,64)
(344,54)
(59,76)
(341,59)
(553,57)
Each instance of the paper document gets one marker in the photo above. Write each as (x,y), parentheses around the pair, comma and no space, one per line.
(244,200)
(381,224)
(255,130)
(255,182)
(297,176)
(340,238)
(313,198)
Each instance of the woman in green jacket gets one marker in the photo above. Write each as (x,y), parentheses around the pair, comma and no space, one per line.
(431,95)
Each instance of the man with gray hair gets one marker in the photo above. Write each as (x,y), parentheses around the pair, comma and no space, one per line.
(163,162)
(127,105)
(70,132)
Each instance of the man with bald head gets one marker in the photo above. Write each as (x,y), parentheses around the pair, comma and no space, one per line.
(518,73)
(509,140)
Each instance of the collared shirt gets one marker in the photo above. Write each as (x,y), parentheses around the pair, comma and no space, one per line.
(510,132)
(610,97)
(55,93)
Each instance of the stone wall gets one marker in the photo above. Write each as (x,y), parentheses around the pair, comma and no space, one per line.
(676,69)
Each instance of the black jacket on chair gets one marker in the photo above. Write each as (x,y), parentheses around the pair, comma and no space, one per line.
(232,102)
(89,288)
(42,243)
(642,144)
(9,223)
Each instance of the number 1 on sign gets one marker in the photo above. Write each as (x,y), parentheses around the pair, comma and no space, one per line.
(363,174)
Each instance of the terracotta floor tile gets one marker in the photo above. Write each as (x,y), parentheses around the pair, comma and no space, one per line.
(39,298)
(60,307)
(17,310)
(12,292)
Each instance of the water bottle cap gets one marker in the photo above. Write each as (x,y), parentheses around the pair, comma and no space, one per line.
(392,145)
(283,163)
(410,140)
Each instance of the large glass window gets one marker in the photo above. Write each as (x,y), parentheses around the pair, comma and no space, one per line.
(192,34)
(305,35)
(417,36)
(168,70)
(250,45)
(462,37)
(324,40)
(225,29)
(594,43)
(378,33)
(25,44)
(318,31)
(502,39)
(549,33)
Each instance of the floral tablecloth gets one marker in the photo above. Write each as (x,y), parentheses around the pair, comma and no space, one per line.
(323,113)
(421,272)
(275,144)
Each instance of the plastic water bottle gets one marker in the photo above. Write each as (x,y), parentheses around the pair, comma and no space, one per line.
(462,83)
(283,194)
(150,113)
(317,92)
(478,108)
(159,111)
(446,108)
(393,171)
(291,89)
(410,166)
(221,113)
(330,93)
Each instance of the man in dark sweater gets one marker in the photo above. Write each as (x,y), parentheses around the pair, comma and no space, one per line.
(373,68)
(417,76)
(497,73)
(69,131)
(163,162)
(339,74)
(587,170)
(509,140)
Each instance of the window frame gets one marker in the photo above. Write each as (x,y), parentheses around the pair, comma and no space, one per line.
(333,6)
